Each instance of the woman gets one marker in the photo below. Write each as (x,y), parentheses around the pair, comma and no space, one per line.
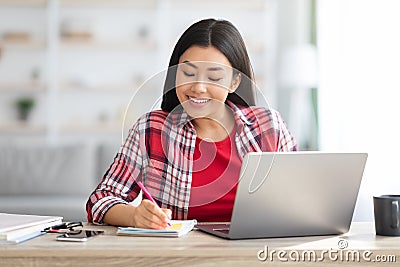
(188,155)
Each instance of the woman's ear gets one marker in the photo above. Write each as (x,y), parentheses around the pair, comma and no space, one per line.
(235,82)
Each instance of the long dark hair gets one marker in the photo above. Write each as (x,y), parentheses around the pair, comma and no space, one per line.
(224,36)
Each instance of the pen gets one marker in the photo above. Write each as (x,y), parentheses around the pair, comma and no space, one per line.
(148,196)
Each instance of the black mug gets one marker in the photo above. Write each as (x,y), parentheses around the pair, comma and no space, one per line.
(387,215)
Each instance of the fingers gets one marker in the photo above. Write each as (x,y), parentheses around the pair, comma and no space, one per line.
(155,214)
(168,212)
(149,215)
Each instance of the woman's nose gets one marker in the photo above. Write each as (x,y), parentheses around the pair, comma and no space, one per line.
(199,87)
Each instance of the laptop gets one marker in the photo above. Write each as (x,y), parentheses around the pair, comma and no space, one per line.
(292,194)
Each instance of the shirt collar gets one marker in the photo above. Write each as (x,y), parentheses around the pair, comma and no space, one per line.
(239,114)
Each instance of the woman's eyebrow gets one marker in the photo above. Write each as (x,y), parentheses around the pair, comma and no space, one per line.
(215,68)
(209,69)
(190,64)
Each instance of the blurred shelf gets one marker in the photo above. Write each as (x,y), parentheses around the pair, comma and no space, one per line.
(106,88)
(255,5)
(252,5)
(24,3)
(95,44)
(78,128)
(28,87)
(22,128)
(92,128)
(110,4)
(23,44)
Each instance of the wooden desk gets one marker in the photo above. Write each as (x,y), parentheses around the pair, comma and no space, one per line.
(196,249)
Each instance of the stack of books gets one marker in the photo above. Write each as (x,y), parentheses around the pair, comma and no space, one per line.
(17,228)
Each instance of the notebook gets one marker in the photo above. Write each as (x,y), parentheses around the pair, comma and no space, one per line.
(16,228)
(178,228)
(293,194)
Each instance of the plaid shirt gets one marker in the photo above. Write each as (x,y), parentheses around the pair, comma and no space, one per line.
(159,152)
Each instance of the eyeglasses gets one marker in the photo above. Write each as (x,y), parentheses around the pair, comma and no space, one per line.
(67,227)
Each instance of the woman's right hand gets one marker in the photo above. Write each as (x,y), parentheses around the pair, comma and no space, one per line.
(149,215)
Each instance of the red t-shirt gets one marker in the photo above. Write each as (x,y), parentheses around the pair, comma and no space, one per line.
(216,170)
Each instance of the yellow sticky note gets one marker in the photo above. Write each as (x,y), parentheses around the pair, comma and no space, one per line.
(175,227)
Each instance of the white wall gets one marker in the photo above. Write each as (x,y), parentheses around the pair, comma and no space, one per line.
(359,47)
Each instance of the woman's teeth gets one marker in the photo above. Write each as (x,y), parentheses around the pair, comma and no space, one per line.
(199,101)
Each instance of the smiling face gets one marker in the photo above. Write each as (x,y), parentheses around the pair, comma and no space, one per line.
(204,78)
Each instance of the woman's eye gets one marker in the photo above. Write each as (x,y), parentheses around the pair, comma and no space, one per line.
(214,79)
(188,74)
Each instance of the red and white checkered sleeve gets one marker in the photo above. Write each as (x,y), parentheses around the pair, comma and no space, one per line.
(118,184)
(286,141)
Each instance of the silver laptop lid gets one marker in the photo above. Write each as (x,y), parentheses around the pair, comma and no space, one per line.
(296,194)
